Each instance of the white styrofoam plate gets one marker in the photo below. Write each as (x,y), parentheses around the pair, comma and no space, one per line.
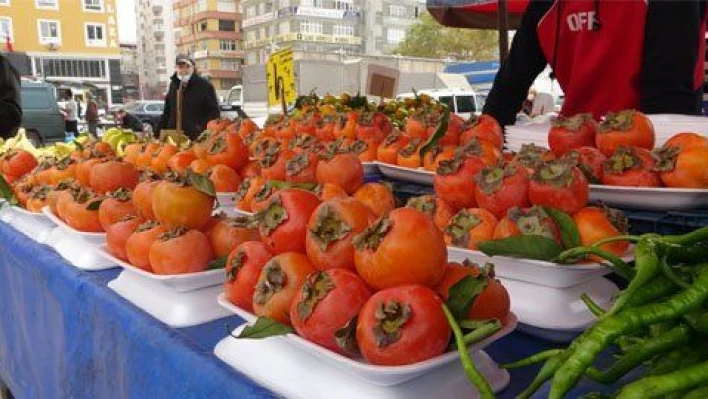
(226,200)
(77,250)
(36,226)
(174,308)
(266,361)
(532,271)
(418,176)
(177,282)
(650,198)
(370,168)
(373,374)
(94,238)
(232,211)
(558,309)
(6,213)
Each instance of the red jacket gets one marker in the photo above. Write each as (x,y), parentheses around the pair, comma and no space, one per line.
(607,56)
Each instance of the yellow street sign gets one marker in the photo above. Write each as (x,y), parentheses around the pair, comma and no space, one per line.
(280,77)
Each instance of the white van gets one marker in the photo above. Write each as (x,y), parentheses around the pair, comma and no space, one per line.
(464,102)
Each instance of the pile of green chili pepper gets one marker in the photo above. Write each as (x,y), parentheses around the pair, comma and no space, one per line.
(659,322)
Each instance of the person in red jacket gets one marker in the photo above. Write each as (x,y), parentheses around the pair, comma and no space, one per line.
(607,56)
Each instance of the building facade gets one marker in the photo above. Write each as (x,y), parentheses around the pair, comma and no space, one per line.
(210,32)
(129,71)
(155,46)
(67,42)
(372,27)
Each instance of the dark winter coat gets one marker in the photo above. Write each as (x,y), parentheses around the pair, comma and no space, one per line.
(200,105)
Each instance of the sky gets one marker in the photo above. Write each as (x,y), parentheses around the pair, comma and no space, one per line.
(126,21)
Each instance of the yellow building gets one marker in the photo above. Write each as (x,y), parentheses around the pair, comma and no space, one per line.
(67,42)
(210,30)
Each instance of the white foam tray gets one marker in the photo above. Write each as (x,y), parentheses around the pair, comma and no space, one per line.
(36,226)
(370,168)
(418,176)
(373,374)
(552,313)
(267,361)
(177,282)
(537,272)
(650,198)
(78,248)
(174,308)
(94,238)
(226,200)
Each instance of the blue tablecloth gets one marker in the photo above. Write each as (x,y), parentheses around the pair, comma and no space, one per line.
(64,334)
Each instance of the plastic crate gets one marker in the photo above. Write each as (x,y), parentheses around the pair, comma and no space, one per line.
(675,222)
(404,191)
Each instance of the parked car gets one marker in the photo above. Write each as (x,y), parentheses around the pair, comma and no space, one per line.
(149,112)
(464,102)
(41,116)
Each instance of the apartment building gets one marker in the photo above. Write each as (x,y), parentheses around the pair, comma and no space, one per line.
(129,71)
(210,31)
(156,47)
(66,42)
(372,27)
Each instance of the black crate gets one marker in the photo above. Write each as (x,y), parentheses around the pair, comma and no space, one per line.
(674,222)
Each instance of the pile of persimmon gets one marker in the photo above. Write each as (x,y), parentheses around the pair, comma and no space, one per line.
(620,151)
(354,275)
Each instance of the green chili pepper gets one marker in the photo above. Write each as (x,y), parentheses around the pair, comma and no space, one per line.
(646,262)
(477,379)
(594,308)
(698,320)
(657,288)
(659,385)
(670,274)
(482,332)
(669,362)
(694,237)
(537,358)
(698,393)
(549,368)
(588,346)
(674,338)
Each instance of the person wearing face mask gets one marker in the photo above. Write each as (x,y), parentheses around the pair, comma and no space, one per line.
(191,101)
(607,56)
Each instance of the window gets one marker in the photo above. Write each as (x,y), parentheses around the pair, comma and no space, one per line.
(397,11)
(154,107)
(35,98)
(47,4)
(251,12)
(311,3)
(95,35)
(230,65)
(448,101)
(6,30)
(202,5)
(226,6)
(203,26)
(234,95)
(4,2)
(49,31)
(227,45)
(465,104)
(395,35)
(343,30)
(93,5)
(310,27)
(226,25)
(73,68)
(343,5)
(284,3)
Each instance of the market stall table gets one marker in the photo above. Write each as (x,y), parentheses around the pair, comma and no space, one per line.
(64,333)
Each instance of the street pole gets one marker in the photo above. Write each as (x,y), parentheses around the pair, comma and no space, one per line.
(503,24)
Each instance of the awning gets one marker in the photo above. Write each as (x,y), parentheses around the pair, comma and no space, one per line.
(475,14)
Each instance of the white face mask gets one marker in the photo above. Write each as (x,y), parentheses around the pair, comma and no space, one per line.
(185,78)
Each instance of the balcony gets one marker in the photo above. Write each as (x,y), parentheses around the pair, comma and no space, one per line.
(202,54)
(187,39)
(304,37)
(159,34)
(190,19)
(223,73)
(157,9)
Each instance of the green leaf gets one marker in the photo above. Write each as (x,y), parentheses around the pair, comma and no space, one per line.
(524,246)
(281,185)
(6,191)
(78,145)
(94,205)
(218,263)
(265,327)
(568,229)
(439,132)
(201,183)
(464,293)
